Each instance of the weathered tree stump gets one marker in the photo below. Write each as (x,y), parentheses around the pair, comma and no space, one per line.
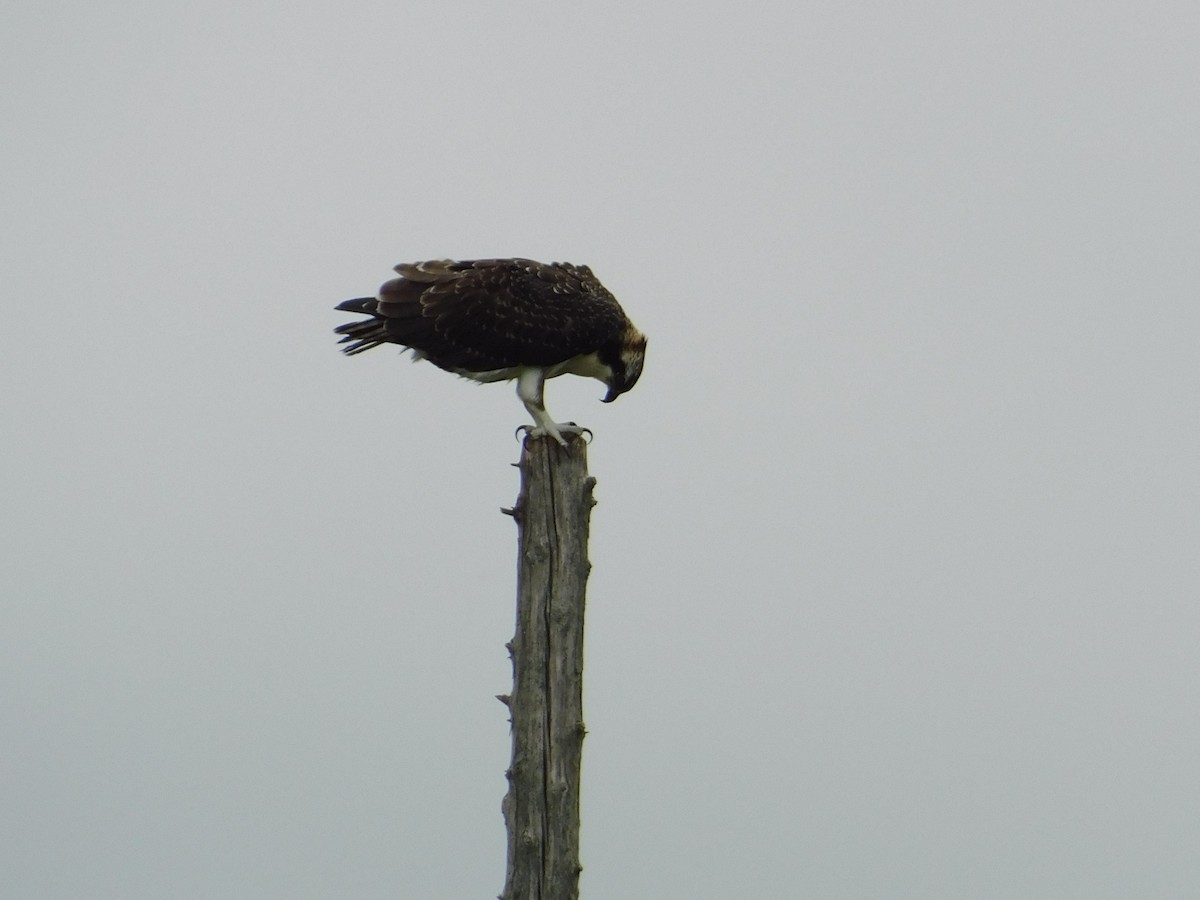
(541,808)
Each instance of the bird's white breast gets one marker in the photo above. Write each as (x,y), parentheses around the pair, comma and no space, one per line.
(587,366)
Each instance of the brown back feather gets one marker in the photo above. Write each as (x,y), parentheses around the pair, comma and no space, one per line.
(481,315)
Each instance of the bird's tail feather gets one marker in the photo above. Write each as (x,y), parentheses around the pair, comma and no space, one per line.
(368,306)
(364,334)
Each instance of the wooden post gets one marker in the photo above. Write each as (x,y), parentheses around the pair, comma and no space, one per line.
(541,808)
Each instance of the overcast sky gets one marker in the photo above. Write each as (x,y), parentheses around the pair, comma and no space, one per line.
(896,557)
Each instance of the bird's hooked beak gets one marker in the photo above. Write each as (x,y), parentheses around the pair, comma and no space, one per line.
(613,394)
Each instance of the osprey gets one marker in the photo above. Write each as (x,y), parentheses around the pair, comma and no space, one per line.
(504,319)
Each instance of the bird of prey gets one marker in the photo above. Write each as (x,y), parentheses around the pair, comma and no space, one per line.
(504,319)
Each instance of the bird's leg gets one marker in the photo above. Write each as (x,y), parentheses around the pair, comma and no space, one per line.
(531,385)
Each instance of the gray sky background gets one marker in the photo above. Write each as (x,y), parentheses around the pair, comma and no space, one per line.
(896,570)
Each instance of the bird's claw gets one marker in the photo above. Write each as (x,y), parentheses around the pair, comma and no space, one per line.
(536,431)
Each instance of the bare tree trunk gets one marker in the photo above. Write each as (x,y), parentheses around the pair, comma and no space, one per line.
(541,808)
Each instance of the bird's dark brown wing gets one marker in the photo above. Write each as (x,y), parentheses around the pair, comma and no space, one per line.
(481,315)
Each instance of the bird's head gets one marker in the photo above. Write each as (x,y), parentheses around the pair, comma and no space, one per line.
(625,364)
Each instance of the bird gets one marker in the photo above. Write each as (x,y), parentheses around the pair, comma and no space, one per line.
(501,320)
